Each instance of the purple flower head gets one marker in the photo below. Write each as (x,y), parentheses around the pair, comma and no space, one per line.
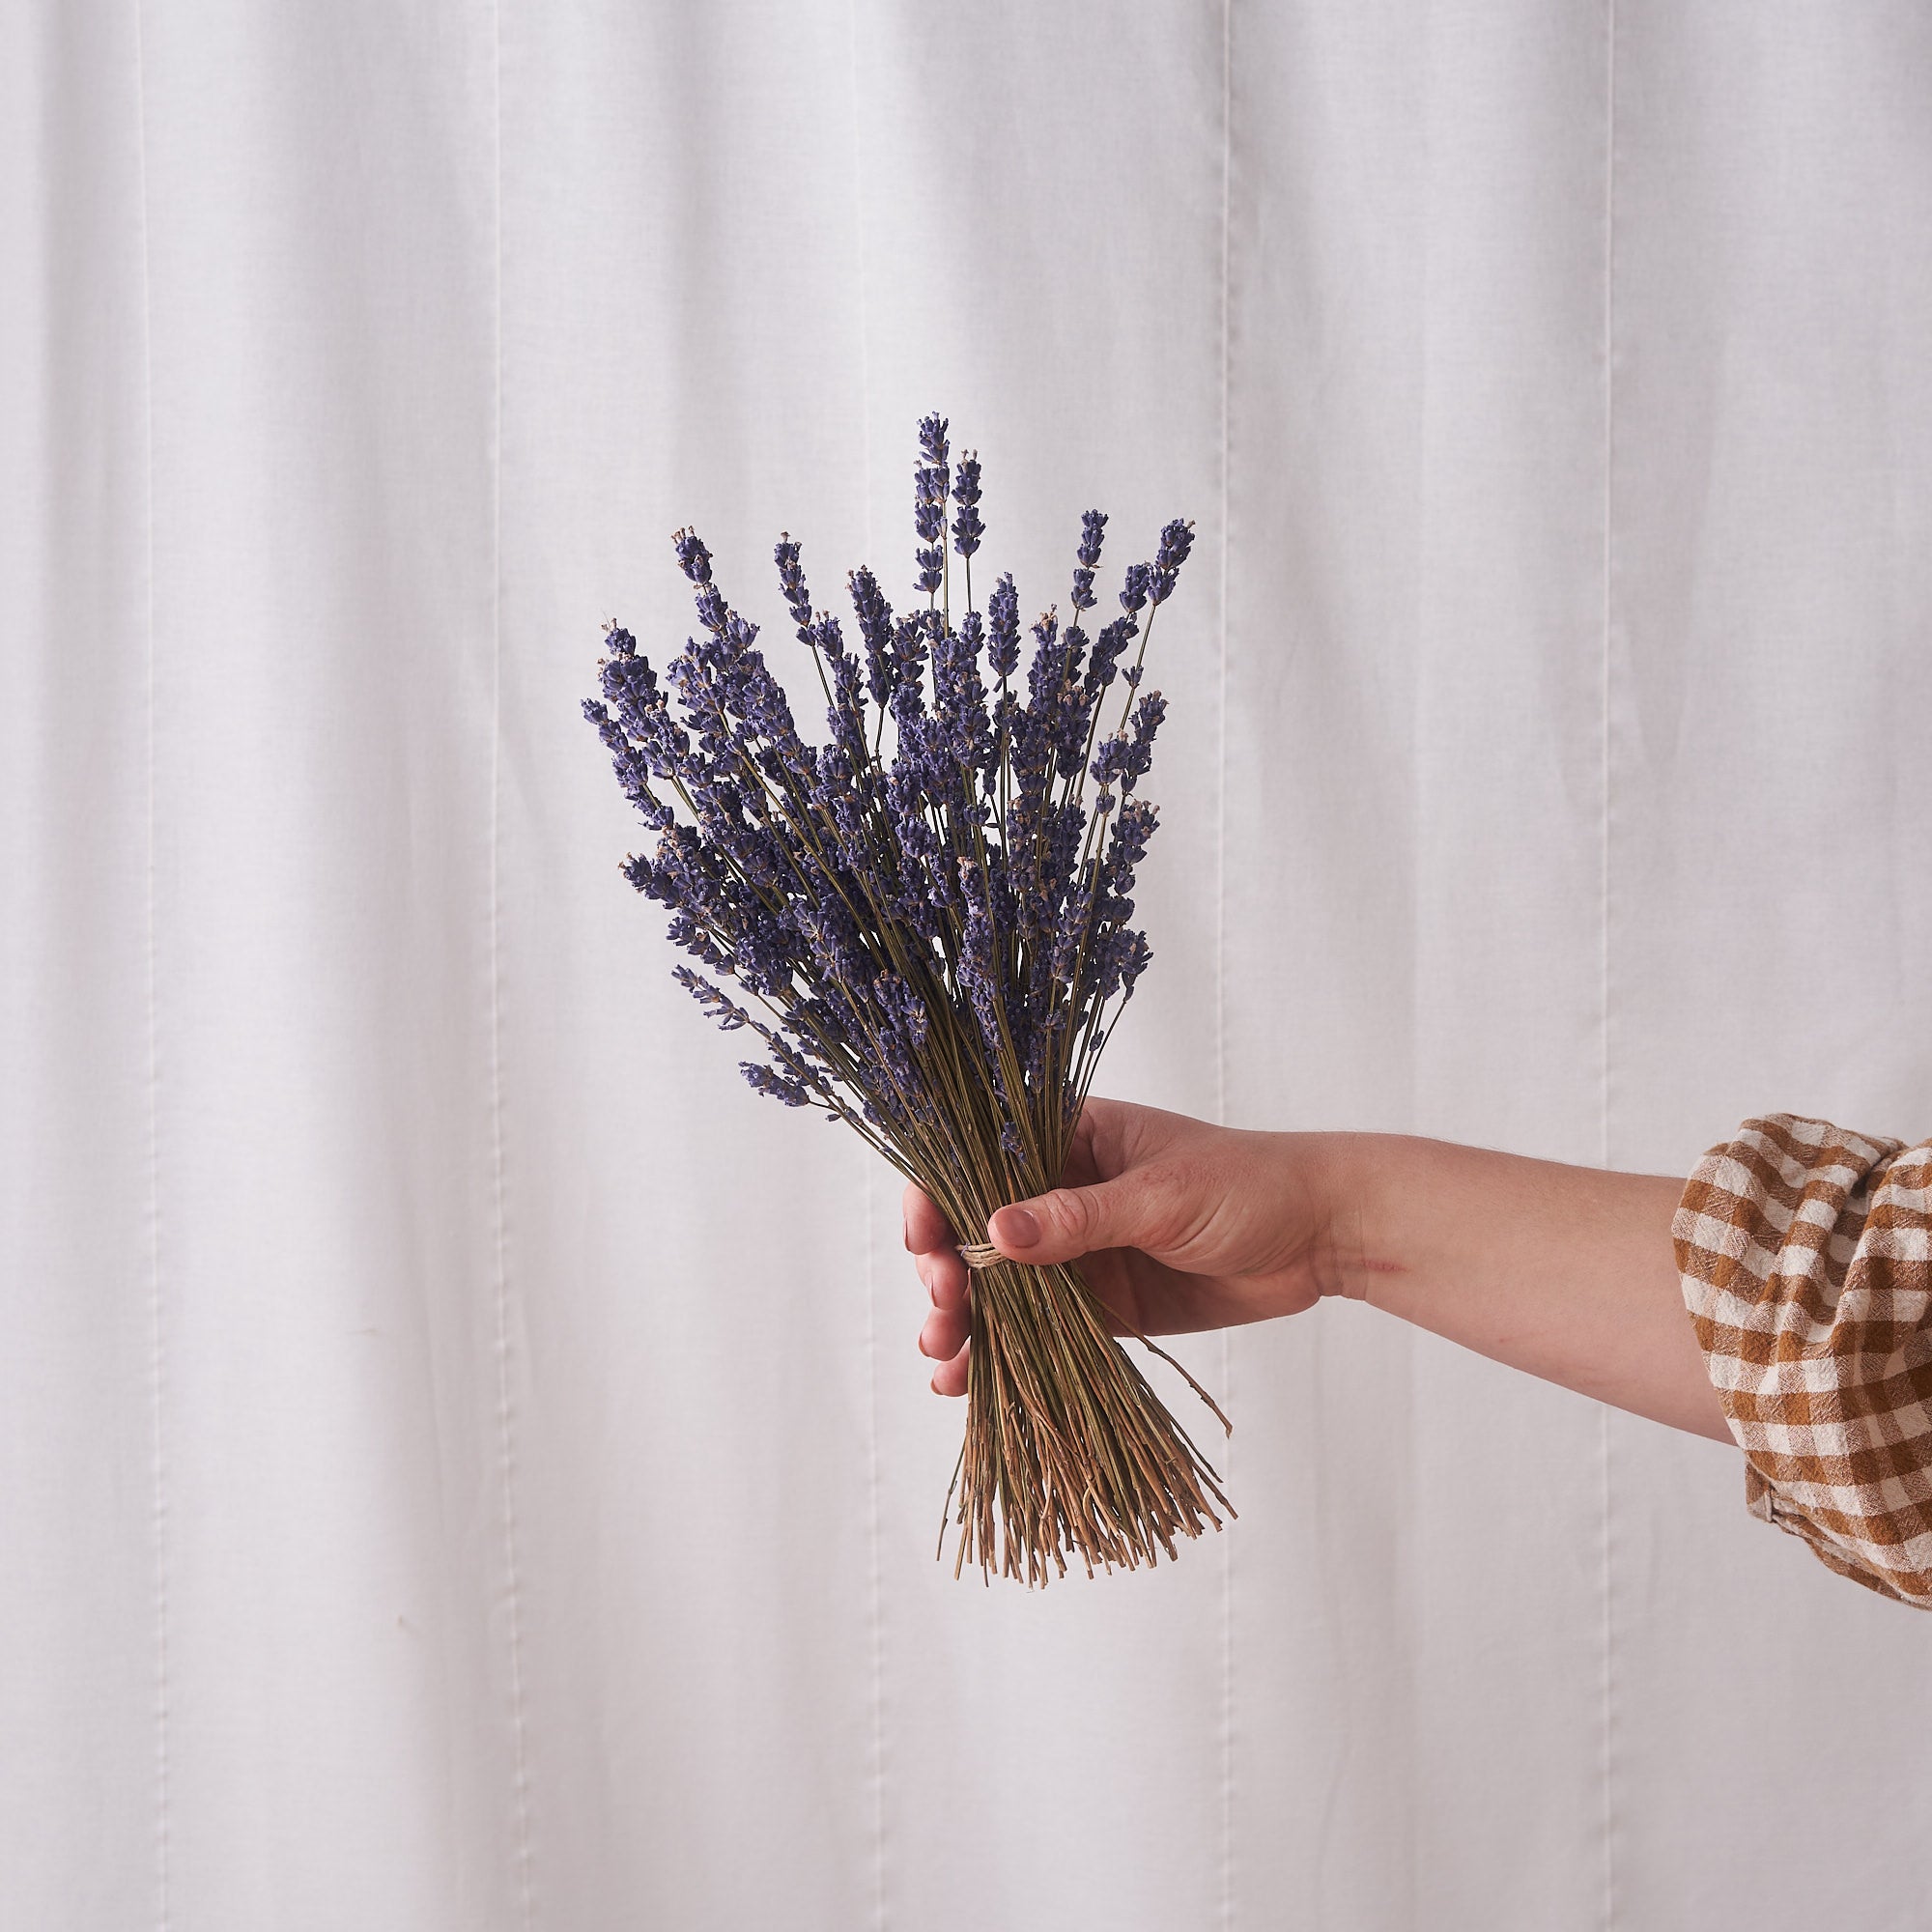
(826,638)
(1003,629)
(1116,963)
(959,694)
(631,688)
(1092,526)
(791,581)
(1049,656)
(729,1015)
(1114,638)
(631,764)
(693,560)
(978,968)
(685,932)
(909,636)
(903,1008)
(1073,701)
(847,721)
(765,1080)
(1110,759)
(967,529)
(929,501)
(1132,830)
(1134,594)
(712,609)
(1177,539)
(1148,716)
(875,632)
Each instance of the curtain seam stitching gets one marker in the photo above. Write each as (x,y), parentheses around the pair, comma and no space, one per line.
(876,1580)
(1228,1904)
(505,1419)
(156,1366)
(1607,1759)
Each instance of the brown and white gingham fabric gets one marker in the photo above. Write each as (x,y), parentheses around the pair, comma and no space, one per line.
(1805,1253)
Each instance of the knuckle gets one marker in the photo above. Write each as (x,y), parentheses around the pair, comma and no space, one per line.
(1072,1212)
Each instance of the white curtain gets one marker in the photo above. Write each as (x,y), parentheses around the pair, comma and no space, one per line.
(462,1458)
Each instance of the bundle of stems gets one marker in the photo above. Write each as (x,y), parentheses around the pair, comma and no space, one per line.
(925,922)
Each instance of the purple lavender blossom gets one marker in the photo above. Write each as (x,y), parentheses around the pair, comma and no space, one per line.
(1092,526)
(928,499)
(1114,638)
(1139,748)
(967,529)
(875,629)
(693,558)
(1176,541)
(791,580)
(1003,629)
(766,1080)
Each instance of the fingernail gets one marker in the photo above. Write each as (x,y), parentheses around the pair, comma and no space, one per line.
(905,1230)
(1018,1228)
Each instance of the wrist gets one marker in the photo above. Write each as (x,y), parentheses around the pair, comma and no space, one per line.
(1357,1184)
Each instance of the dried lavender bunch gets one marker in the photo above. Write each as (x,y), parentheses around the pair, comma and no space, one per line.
(925,923)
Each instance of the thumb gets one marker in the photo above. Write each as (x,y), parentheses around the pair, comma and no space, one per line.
(1074,1221)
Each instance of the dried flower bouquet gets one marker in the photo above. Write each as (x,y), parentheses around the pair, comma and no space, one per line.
(924,920)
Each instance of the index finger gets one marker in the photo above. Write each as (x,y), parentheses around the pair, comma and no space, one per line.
(926,1227)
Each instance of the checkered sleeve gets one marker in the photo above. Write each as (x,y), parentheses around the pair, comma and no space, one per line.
(1805,1253)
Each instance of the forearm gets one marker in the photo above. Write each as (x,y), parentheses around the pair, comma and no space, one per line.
(1564,1272)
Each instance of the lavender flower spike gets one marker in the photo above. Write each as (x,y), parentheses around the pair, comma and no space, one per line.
(791,580)
(1176,541)
(967,529)
(928,503)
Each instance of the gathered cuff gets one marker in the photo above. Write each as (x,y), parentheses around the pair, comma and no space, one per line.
(1806,1256)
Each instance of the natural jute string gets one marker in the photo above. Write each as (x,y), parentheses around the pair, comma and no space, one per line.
(980,1254)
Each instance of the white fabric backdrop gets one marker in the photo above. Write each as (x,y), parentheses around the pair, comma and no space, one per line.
(463,1460)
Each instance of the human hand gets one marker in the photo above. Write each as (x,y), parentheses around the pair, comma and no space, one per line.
(1178,1225)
